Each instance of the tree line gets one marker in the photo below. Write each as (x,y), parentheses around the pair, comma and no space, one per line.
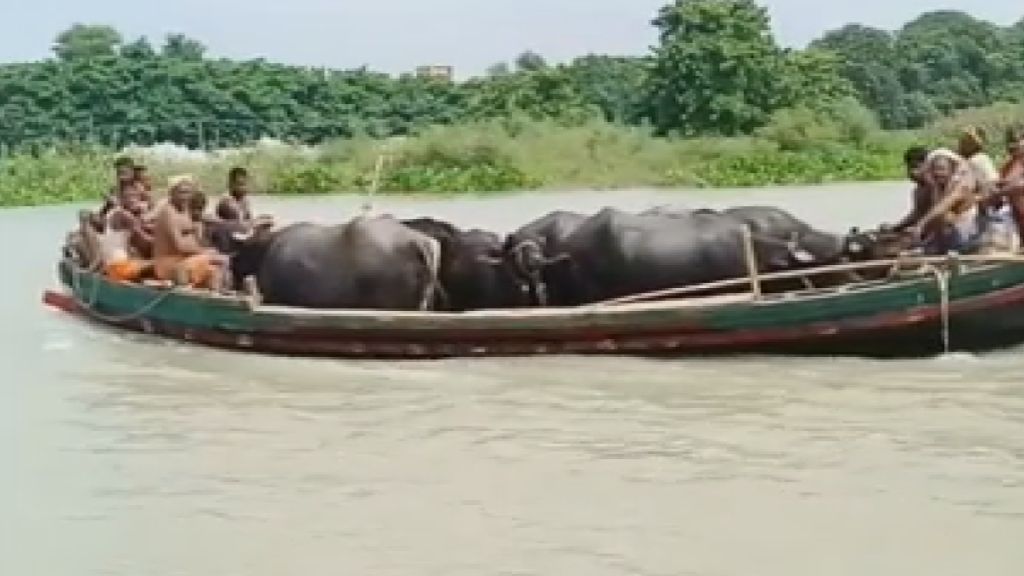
(716,69)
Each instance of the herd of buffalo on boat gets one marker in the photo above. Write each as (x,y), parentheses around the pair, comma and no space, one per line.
(563,258)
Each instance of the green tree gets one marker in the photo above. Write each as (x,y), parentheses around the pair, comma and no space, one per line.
(182,47)
(950,57)
(498,69)
(549,93)
(139,49)
(530,61)
(614,84)
(716,69)
(84,41)
(869,63)
(813,78)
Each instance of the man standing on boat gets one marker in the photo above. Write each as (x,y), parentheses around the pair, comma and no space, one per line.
(972,149)
(178,252)
(952,222)
(1011,177)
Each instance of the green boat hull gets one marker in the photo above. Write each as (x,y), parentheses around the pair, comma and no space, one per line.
(979,308)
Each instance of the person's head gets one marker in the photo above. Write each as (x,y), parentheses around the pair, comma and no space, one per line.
(124,168)
(238,181)
(941,169)
(180,190)
(197,205)
(141,176)
(972,141)
(914,160)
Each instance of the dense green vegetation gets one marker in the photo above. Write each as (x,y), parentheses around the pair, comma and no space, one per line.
(800,146)
(716,102)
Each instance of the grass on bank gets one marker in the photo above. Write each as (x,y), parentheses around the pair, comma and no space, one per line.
(802,146)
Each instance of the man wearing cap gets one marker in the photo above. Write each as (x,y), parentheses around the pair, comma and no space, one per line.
(178,253)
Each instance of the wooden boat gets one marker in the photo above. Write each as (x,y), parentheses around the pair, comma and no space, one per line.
(971,304)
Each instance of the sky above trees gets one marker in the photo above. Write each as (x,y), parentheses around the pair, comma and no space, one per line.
(398,35)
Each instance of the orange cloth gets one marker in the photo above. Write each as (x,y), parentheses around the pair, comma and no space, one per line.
(197,269)
(125,270)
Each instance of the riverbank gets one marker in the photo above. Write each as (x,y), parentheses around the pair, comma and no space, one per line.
(494,157)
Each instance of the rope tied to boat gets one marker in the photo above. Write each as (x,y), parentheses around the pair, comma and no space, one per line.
(89,305)
(941,276)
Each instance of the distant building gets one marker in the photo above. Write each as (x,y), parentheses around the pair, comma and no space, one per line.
(441,72)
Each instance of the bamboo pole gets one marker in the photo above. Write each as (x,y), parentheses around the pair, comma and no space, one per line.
(374,184)
(751,260)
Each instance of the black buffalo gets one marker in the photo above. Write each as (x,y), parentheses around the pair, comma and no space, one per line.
(533,248)
(472,271)
(614,253)
(367,263)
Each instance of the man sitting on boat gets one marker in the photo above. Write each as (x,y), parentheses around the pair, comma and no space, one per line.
(119,246)
(235,206)
(179,255)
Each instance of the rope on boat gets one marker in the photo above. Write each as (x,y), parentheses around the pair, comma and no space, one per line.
(942,281)
(89,305)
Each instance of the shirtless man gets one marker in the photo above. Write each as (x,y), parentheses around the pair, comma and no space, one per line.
(921,198)
(177,248)
(234,207)
(1011,178)
(203,222)
(124,185)
(119,248)
(143,185)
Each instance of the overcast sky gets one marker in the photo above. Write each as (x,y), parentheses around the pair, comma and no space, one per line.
(397,35)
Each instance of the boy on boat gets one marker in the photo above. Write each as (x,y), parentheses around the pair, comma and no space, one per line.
(179,254)
(236,206)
